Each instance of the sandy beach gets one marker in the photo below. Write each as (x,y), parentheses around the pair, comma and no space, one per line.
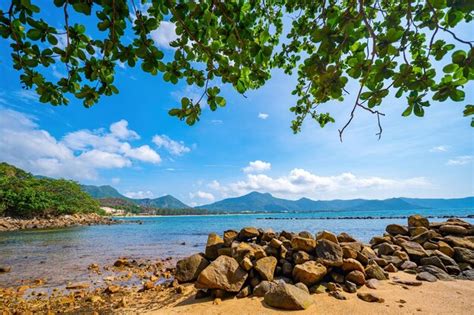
(441,297)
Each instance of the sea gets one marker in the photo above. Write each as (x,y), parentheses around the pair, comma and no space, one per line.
(62,255)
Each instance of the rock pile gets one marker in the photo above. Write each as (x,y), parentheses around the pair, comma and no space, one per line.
(285,268)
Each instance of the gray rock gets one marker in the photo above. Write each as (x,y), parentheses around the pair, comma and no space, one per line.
(288,297)
(372,284)
(408,265)
(338,295)
(246,291)
(350,287)
(435,271)
(434,261)
(426,276)
(464,255)
(302,286)
(466,275)
(264,287)
(188,269)
(329,253)
(396,229)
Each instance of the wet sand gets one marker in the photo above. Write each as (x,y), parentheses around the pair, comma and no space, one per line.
(441,297)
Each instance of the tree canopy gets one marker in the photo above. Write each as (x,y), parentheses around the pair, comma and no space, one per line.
(380,45)
(24,195)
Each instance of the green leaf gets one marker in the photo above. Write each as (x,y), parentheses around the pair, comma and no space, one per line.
(468,110)
(34,34)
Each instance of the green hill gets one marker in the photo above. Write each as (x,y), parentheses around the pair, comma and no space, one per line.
(105,191)
(24,195)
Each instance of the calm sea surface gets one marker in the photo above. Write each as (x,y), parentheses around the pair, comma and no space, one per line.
(61,255)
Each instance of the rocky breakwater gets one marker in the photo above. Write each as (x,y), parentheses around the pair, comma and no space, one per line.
(12,224)
(286,268)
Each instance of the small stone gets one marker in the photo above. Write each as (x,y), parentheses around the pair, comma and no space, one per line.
(246,264)
(246,291)
(77,286)
(111,289)
(396,229)
(318,289)
(408,282)
(375,271)
(370,297)
(263,287)
(338,295)
(351,264)
(217,301)
(372,284)
(350,287)
(390,268)
(148,285)
(408,265)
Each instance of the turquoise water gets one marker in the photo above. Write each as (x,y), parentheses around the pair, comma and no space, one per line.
(61,255)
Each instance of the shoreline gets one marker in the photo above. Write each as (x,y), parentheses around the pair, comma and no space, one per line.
(9,224)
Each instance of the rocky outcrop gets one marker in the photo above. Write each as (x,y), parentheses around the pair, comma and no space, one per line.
(13,224)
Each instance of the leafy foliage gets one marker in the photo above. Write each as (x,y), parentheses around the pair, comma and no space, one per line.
(23,195)
(383,45)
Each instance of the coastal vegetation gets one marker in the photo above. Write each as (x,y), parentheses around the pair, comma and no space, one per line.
(24,195)
(362,51)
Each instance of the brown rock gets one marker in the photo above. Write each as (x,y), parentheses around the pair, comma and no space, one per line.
(306,234)
(395,229)
(372,284)
(344,237)
(326,235)
(214,242)
(266,267)
(275,243)
(77,286)
(370,297)
(424,237)
(414,250)
(223,273)
(459,241)
(309,273)
(386,249)
(302,243)
(453,229)
(418,220)
(352,264)
(246,264)
(226,251)
(464,255)
(148,285)
(445,248)
(301,257)
(246,291)
(229,237)
(390,268)
(111,289)
(268,235)
(248,233)
(376,272)
(288,297)
(414,231)
(188,269)
(408,265)
(356,276)
(329,253)
(5,269)
(348,252)
(263,287)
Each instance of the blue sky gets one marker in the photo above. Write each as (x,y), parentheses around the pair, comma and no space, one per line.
(128,141)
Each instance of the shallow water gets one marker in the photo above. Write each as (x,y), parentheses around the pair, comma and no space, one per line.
(61,255)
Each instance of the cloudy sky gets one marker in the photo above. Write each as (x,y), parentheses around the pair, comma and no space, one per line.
(128,141)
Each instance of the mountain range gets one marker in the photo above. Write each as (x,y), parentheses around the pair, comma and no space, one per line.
(265,202)
(106,191)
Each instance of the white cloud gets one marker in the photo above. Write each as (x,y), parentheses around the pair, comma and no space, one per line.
(257,167)
(78,155)
(139,194)
(115,180)
(460,160)
(164,35)
(263,116)
(120,130)
(143,153)
(217,121)
(27,96)
(439,148)
(302,183)
(172,146)
(202,195)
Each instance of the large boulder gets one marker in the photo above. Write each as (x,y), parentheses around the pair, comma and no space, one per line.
(309,273)
(188,269)
(356,276)
(214,242)
(453,229)
(288,297)
(417,220)
(248,232)
(329,253)
(223,273)
(303,243)
(266,267)
(435,271)
(374,271)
